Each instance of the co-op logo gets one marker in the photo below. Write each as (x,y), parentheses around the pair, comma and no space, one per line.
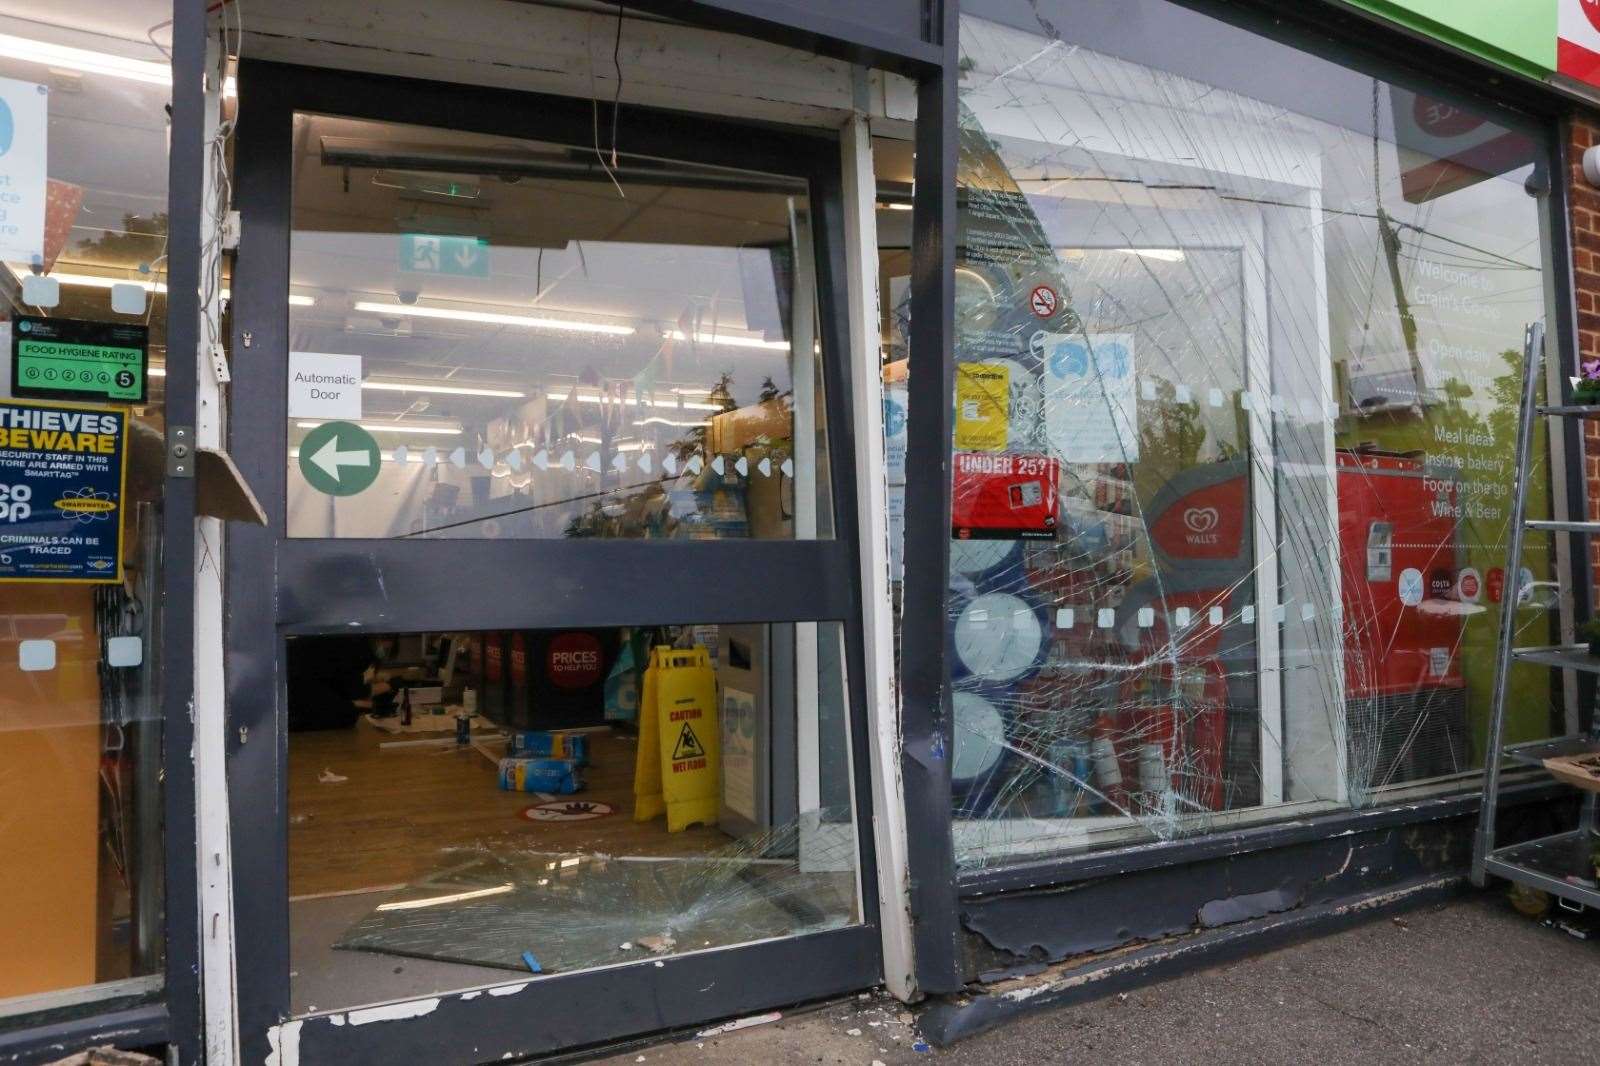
(1201,522)
(1592,9)
(16,503)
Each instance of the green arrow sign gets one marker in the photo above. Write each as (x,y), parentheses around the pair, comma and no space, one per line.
(339,458)
(462,257)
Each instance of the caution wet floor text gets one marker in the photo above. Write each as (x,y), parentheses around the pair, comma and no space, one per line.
(677,770)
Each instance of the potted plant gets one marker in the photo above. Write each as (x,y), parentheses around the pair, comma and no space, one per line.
(1586,390)
(1590,631)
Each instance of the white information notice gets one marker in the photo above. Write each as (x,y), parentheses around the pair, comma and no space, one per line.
(322,385)
(1090,402)
(739,753)
(24,117)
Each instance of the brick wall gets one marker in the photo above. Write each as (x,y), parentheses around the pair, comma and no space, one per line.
(1585,200)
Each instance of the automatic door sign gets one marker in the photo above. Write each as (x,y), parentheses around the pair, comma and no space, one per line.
(567,811)
(62,475)
(339,458)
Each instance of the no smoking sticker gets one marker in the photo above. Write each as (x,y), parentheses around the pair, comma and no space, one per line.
(1042,301)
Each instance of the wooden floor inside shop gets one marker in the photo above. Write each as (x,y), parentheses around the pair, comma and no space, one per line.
(399,807)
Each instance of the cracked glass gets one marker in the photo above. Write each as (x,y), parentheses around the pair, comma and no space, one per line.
(1238,349)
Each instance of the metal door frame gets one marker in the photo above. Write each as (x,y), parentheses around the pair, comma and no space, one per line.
(396,585)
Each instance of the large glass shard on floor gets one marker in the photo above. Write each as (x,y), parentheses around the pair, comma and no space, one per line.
(572,911)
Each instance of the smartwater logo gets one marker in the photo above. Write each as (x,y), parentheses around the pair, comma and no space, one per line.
(1201,522)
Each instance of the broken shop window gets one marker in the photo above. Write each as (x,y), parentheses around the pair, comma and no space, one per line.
(1235,397)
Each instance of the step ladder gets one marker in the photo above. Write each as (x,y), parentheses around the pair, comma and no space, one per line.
(1559,864)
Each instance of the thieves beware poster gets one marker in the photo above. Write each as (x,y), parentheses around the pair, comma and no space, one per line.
(62,475)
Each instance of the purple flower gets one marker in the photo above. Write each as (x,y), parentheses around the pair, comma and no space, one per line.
(1591,369)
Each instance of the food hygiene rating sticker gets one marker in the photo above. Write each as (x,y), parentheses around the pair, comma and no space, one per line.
(62,472)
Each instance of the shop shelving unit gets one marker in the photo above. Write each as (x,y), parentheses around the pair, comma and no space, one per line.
(1560,864)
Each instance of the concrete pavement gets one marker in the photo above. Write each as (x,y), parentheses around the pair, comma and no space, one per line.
(1468,982)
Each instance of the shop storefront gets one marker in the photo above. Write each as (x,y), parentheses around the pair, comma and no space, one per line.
(537,524)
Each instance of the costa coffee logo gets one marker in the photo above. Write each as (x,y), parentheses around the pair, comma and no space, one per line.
(1201,522)
(574,661)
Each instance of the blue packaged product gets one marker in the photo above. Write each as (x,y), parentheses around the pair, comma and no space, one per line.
(556,776)
(557,744)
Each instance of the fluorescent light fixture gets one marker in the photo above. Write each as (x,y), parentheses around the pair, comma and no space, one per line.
(97,281)
(1165,255)
(440,389)
(631,401)
(657,420)
(81,59)
(453,897)
(729,340)
(493,318)
(398,427)
(157,371)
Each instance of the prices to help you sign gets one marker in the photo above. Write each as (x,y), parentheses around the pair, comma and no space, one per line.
(24,116)
(62,475)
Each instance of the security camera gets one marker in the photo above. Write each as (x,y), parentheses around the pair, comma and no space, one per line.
(1591,165)
(407,296)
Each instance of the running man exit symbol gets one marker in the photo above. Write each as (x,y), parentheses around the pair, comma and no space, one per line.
(462,257)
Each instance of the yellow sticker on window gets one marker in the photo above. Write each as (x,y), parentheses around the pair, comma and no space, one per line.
(983,392)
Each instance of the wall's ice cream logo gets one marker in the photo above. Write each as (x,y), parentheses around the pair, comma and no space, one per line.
(1201,522)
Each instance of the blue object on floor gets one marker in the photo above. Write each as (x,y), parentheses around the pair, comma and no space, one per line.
(533,963)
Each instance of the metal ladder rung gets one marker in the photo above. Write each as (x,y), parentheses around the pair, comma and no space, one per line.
(1541,525)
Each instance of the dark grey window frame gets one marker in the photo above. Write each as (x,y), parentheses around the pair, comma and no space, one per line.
(171,1016)
(278,585)
(1359,41)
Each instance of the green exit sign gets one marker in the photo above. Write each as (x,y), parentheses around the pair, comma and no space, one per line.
(462,257)
(64,359)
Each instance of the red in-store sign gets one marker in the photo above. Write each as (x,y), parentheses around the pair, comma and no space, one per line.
(519,659)
(1208,523)
(1042,301)
(1003,497)
(574,660)
(1497,584)
(1440,119)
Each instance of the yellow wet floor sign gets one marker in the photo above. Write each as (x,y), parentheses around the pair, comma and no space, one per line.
(687,736)
(647,799)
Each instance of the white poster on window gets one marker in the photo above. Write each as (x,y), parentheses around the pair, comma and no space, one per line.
(24,117)
(1091,407)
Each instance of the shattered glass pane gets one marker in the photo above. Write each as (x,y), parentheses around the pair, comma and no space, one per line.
(467,808)
(575,910)
(1238,357)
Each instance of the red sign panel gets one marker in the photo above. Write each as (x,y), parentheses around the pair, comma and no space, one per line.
(1003,497)
(1208,523)
(574,660)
